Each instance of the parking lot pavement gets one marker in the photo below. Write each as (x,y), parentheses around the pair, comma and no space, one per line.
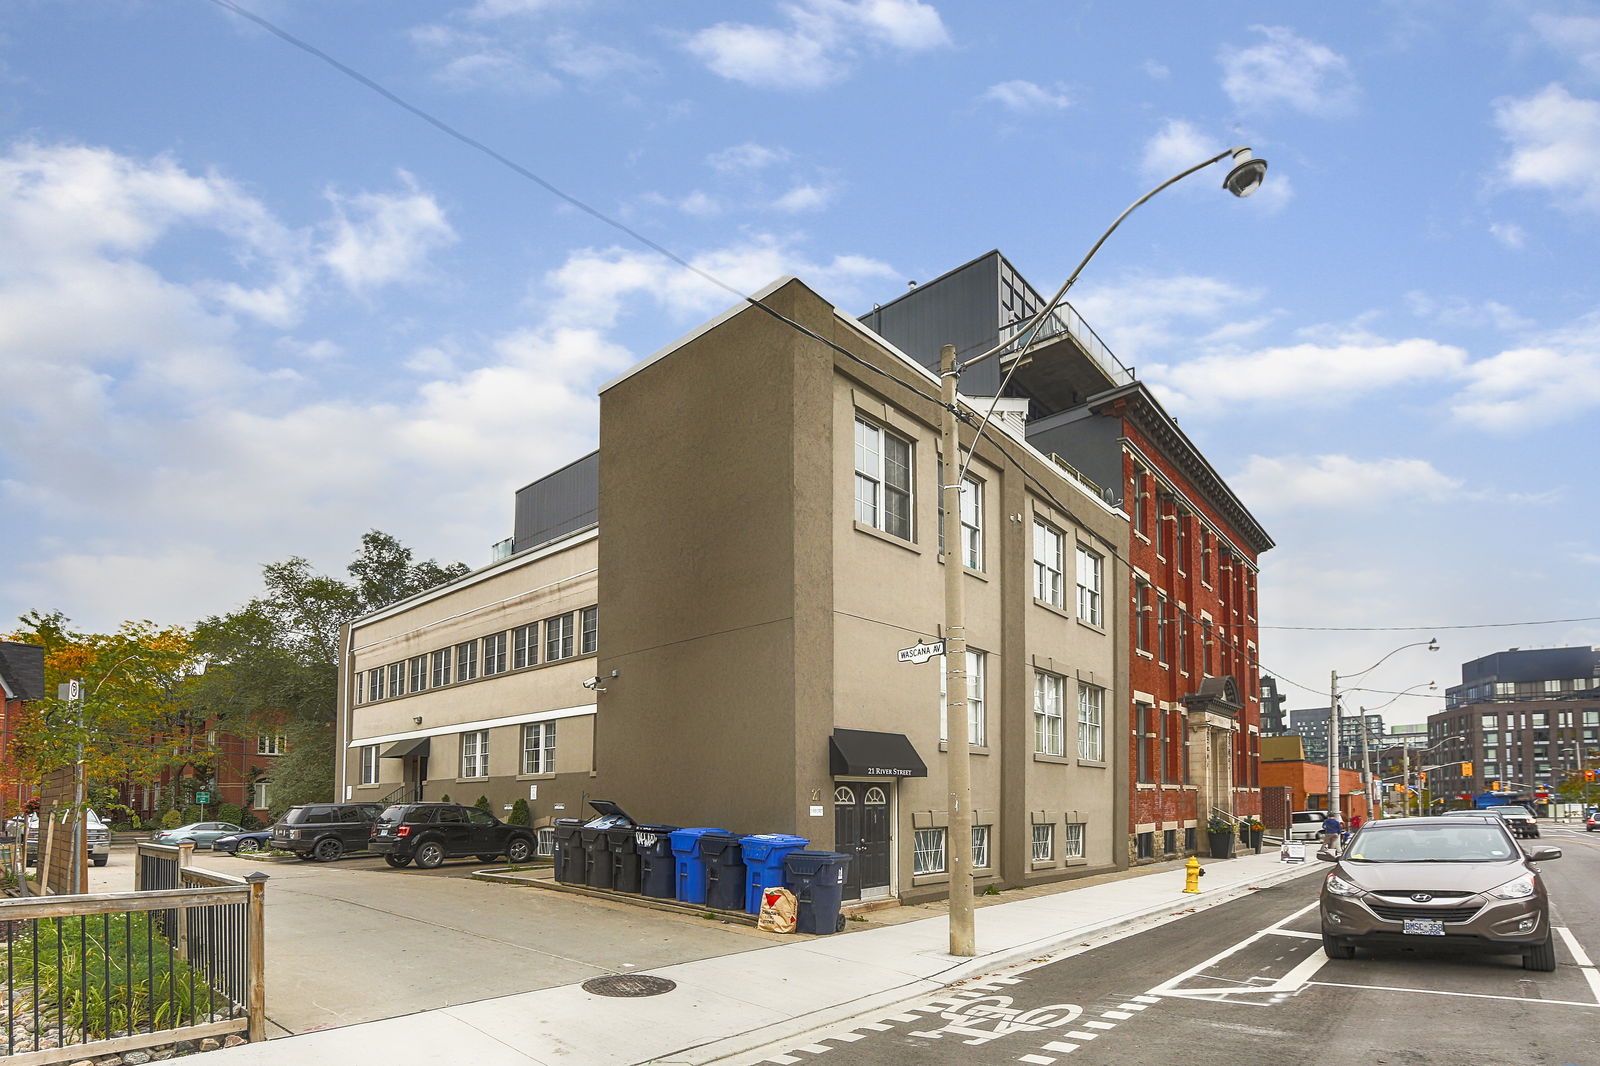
(354,940)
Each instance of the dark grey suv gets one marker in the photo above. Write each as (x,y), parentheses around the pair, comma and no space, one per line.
(433,832)
(325,831)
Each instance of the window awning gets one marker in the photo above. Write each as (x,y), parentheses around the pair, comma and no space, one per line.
(399,750)
(861,753)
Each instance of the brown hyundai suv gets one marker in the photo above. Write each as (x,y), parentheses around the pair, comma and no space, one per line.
(1438,882)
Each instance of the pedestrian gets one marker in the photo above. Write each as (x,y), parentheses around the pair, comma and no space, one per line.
(1332,831)
(1355,822)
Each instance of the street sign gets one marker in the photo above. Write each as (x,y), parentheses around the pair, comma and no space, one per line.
(920,653)
(202,797)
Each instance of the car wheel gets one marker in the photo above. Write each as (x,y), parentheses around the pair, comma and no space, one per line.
(430,854)
(519,851)
(328,849)
(396,861)
(101,860)
(1540,957)
(248,846)
(1335,948)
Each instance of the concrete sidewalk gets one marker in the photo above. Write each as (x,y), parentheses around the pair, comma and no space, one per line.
(732,1003)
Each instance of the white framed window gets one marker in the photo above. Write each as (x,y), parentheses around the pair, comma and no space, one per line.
(1091,575)
(375,684)
(972,523)
(271,744)
(397,679)
(547,841)
(1091,723)
(1047,714)
(441,668)
(369,764)
(494,654)
(977,727)
(539,748)
(883,480)
(589,631)
(258,795)
(1072,843)
(1044,842)
(928,858)
(1049,560)
(475,753)
(980,847)
(467,661)
(525,646)
(558,638)
(418,667)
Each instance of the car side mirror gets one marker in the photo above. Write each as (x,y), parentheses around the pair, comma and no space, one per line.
(1326,855)
(1540,854)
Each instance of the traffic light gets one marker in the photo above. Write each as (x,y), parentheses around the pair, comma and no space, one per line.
(1422,776)
(1466,769)
(1588,775)
(1494,786)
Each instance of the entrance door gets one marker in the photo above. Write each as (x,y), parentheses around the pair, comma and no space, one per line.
(862,831)
(414,773)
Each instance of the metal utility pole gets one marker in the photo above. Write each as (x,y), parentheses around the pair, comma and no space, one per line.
(1333,744)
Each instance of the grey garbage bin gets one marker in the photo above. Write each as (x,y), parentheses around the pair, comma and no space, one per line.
(817,880)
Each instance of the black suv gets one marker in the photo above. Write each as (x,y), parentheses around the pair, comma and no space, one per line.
(325,831)
(433,832)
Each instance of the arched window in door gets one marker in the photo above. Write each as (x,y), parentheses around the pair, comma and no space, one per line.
(876,797)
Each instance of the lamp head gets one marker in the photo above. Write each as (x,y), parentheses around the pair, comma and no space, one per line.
(1247,174)
(1433,644)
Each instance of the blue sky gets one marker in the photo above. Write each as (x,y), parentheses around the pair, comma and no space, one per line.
(249,308)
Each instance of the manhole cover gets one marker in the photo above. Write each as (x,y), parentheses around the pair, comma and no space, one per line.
(629,985)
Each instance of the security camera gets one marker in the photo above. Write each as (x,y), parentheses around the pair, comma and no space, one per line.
(593,684)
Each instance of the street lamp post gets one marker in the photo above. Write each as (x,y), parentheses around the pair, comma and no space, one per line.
(1334,677)
(1242,180)
(1366,759)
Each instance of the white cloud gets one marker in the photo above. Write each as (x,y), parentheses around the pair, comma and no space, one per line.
(1527,388)
(1174,148)
(1577,36)
(1509,234)
(382,238)
(1141,317)
(1156,71)
(820,43)
(468,59)
(1457,311)
(1555,145)
(1287,71)
(804,197)
(747,157)
(1027,97)
(1307,373)
(1339,482)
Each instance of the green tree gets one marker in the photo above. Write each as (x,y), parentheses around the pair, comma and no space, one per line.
(273,664)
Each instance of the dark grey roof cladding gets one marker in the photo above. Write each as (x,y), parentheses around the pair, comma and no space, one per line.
(22,667)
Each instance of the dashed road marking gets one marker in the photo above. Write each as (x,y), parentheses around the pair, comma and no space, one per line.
(1060,1047)
(1100,1025)
(1037,1060)
(1115,1014)
(1079,1034)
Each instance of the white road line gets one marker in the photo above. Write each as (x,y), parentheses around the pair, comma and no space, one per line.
(1037,1060)
(1059,1047)
(847,1037)
(1079,1034)
(876,1027)
(905,1017)
(815,1049)
(1146,999)
(1133,1006)
(1100,1025)
(782,1060)
(1115,1014)
(1169,987)
(1295,933)
(1460,995)
(1582,957)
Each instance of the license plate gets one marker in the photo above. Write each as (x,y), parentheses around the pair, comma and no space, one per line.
(1424,927)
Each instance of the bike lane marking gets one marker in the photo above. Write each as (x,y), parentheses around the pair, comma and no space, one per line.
(1290,982)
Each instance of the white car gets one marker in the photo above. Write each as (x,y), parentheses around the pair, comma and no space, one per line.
(1306,825)
(99,842)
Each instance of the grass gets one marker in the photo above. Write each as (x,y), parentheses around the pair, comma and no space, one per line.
(103,974)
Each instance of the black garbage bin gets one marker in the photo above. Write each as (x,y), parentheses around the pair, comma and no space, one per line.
(599,868)
(571,860)
(725,871)
(623,854)
(817,880)
(597,844)
(657,864)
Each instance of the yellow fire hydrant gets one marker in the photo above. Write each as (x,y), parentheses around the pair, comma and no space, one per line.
(1192,876)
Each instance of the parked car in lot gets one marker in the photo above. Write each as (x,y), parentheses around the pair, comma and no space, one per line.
(325,831)
(430,833)
(201,834)
(1450,882)
(244,842)
(1519,818)
(98,843)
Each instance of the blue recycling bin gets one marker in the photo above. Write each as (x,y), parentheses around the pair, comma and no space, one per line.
(572,861)
(763,859)
(724,863)
(817,880)
(691,870)
(658,868)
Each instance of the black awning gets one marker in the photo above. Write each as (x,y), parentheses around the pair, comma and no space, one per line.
(414,746)
(860,753)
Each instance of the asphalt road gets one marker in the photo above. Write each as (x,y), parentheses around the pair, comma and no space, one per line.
(355,941)
(1247,982)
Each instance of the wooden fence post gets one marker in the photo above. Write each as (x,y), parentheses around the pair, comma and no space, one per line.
(256,949)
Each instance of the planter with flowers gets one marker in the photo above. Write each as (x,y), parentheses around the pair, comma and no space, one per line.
(1219,834)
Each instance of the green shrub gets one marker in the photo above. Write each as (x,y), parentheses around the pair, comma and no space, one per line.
(445,798)
(193,813)
(519,813)
(172,819)
(248,820)
(229,812)
(483,804)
